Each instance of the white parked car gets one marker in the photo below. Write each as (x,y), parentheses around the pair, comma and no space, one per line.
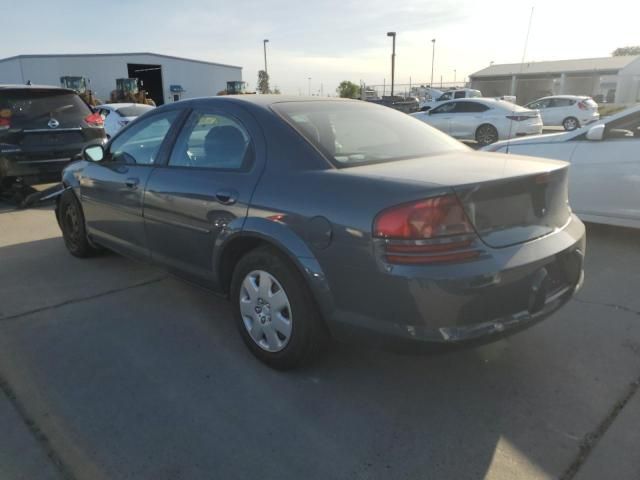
(604,177)
(484,120)
(117,115)
(568,111)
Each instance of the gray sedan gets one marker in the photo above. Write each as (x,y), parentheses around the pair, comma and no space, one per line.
(326,219)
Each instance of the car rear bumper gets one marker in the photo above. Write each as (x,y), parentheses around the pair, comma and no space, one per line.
(521,129)
(36,168)
(472,303)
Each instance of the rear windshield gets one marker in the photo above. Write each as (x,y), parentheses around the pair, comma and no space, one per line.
(134,110)
(356,133)
(34,108)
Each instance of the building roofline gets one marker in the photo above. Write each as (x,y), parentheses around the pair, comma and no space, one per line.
(50,55)
(521,69)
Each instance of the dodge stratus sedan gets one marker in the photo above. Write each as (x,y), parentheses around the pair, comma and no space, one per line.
(328,219)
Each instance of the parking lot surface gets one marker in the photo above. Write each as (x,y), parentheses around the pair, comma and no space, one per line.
(111,369)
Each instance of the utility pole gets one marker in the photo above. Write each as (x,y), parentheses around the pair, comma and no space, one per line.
(393,59)
(264,44)
(433,58)
(309,79)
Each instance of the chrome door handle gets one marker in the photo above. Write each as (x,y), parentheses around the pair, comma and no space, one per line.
(132,182)
(227,197)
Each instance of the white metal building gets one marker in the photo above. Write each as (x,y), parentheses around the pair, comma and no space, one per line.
(166,78)
(608,79)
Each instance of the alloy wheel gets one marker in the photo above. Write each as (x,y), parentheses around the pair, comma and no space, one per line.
(486,135)
(266,311)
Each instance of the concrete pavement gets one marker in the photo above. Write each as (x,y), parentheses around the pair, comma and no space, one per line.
(128,373)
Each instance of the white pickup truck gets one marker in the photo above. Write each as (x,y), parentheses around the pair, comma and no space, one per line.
(458,93)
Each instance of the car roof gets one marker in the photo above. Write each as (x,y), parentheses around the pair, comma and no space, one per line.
(116,106)
(268,100)
(570,97)
(17,86)
(491,102)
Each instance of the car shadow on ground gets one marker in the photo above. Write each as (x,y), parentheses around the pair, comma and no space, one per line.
(136,374)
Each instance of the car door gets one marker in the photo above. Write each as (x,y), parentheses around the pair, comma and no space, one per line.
(112,190)
(541,105)
(205,185)
(605,174)
(555,110)
(440,117)
(465,119)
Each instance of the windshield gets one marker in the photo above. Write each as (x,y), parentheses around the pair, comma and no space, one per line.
(354,133)
(134,110)
(33,108)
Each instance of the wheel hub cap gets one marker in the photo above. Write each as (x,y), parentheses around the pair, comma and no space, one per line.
(266,311)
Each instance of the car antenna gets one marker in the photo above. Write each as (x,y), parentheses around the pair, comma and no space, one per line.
(524,54)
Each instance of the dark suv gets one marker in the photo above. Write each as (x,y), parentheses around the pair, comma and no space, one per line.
(41,130)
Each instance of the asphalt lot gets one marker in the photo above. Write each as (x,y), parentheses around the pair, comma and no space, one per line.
(111,369)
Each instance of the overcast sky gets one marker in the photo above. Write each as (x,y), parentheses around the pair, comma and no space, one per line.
(328,41)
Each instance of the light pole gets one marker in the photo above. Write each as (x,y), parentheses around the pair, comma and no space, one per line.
(454,76)
(433,57)
(264,45)
(309,80)
(393,60)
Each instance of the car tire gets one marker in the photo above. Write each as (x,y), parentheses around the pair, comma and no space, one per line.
(486,134)
(284,329)
(73,227)
(570,124)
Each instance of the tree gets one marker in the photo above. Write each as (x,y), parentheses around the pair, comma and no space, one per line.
(621,51)
(348,89)
(276,90)
(263,82)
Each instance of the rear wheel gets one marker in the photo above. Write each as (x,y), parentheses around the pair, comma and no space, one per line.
(570,123)
(73,228)
(486,134)
(275,311)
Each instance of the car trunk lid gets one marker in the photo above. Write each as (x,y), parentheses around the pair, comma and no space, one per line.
(508,199)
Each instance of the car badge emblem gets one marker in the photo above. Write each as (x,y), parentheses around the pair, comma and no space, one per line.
(53,123)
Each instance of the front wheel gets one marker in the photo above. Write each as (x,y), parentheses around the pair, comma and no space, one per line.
(486,134)
(74,232)
(275,311)
(570,124)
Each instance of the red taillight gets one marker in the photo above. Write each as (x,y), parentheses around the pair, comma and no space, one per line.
(430,218)
(435,230)
(94,120)
(5,124)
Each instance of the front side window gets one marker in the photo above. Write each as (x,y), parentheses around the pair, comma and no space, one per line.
(446,108)
(460,94)
(351,133)
(141,143)
(445,96)
(211,140)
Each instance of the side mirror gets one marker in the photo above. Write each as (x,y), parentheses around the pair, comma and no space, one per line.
(93,153)
(596,132)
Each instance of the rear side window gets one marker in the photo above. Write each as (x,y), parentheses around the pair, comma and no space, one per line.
(210,140)
(134,110)
(561,102)
(459,94)
(32,109)
(350,133)
(470,107)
